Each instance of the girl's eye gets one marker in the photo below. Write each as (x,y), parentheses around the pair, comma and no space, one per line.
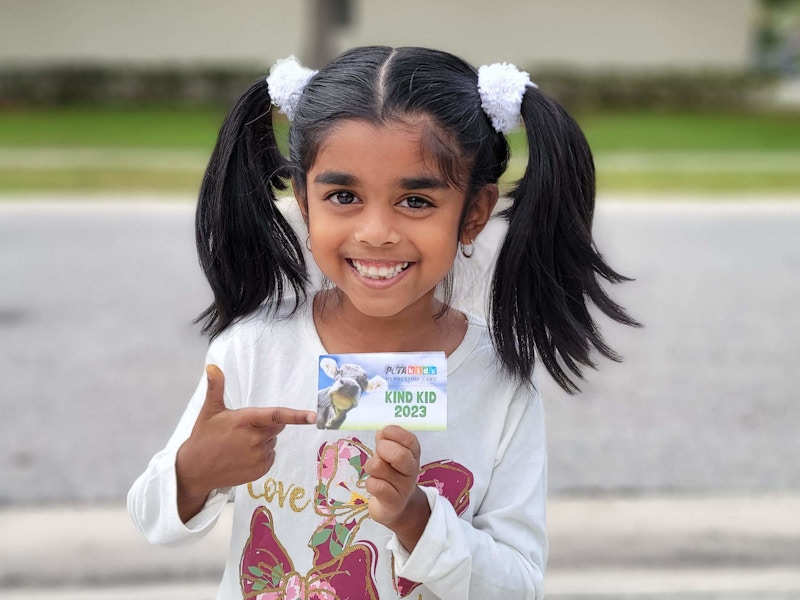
(415,202)
(343,198)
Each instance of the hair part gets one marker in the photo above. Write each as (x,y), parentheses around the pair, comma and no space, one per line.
(379,84)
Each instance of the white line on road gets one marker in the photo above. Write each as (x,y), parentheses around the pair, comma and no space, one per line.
(600,583)
(616,582)
(172,591)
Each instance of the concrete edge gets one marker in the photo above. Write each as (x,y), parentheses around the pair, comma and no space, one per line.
(99,546)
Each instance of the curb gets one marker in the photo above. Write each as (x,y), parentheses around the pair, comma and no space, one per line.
(595,543)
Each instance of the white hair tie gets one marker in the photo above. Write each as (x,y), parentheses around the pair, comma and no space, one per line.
(286,82)
(501,86)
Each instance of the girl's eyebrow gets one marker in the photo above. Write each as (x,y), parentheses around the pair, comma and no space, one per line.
(336,178)
(425,182)
(422,182)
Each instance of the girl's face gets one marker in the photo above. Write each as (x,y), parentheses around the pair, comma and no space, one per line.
(383,221)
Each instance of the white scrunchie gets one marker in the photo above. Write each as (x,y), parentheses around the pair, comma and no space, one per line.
(501,86)
(286,82)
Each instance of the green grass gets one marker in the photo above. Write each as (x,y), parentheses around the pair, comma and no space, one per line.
(635,152)
(649,132)
(103,128)
(689,153)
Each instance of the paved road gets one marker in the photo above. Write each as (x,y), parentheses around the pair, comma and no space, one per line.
(98,355)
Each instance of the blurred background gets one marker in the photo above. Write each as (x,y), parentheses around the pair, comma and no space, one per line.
(676,471)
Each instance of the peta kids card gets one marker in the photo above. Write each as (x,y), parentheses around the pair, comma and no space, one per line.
(369,391)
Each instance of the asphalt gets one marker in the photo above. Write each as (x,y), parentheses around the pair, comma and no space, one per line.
(742,547)
(98,355)
(675,474)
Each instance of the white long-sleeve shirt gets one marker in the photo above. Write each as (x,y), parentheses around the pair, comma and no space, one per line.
(303,530)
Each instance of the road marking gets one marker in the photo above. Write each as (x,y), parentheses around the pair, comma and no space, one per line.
(173,591)
(589,583)
(610,581)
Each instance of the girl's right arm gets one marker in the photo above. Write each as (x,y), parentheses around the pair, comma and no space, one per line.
(153,497)
(228,447)
(214,448)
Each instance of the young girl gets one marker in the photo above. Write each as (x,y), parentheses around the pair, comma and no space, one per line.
(394,158)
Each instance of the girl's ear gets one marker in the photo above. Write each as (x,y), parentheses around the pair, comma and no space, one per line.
(301,198)
(479,212)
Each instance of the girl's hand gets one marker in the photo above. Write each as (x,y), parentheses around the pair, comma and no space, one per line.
(228,447)
(395,500)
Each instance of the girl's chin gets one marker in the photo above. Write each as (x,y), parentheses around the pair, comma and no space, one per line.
(392,307)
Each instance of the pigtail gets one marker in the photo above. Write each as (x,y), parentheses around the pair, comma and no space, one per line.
(247,250)
(548,265)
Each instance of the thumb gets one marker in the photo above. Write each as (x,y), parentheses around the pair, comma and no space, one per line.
(215,402)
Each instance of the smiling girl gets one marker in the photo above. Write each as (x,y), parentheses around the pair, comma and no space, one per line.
(394,157)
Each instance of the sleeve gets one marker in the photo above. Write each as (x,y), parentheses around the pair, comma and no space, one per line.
(153,497)
(502,553)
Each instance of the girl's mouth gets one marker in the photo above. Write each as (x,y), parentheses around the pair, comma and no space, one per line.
(378,270)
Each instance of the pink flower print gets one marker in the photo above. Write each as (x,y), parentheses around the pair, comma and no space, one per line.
(341,494)
(321,590)
(453,482)
(327,462)
(267,572)
(295,588)
(298,588)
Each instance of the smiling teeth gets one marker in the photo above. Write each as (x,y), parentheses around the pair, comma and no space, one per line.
(373,272)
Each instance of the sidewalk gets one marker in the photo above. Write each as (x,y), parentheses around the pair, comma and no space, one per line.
(610,547)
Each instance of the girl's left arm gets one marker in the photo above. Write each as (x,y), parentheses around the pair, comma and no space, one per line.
(503,552)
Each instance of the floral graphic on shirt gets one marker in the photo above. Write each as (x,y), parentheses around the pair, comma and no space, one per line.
(344,567)
(340,496)
(268,572)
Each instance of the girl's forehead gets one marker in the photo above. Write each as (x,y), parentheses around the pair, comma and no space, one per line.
(413,143)
(352,134)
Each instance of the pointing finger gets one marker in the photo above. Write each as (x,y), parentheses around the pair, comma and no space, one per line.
(274,417)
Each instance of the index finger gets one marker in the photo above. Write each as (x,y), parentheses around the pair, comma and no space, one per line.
(276,416)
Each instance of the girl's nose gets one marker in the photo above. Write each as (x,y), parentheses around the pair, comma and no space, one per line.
(377,226)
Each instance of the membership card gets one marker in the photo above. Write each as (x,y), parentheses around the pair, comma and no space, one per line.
(369,391)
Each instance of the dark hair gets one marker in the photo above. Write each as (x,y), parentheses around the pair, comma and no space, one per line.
(548,265)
